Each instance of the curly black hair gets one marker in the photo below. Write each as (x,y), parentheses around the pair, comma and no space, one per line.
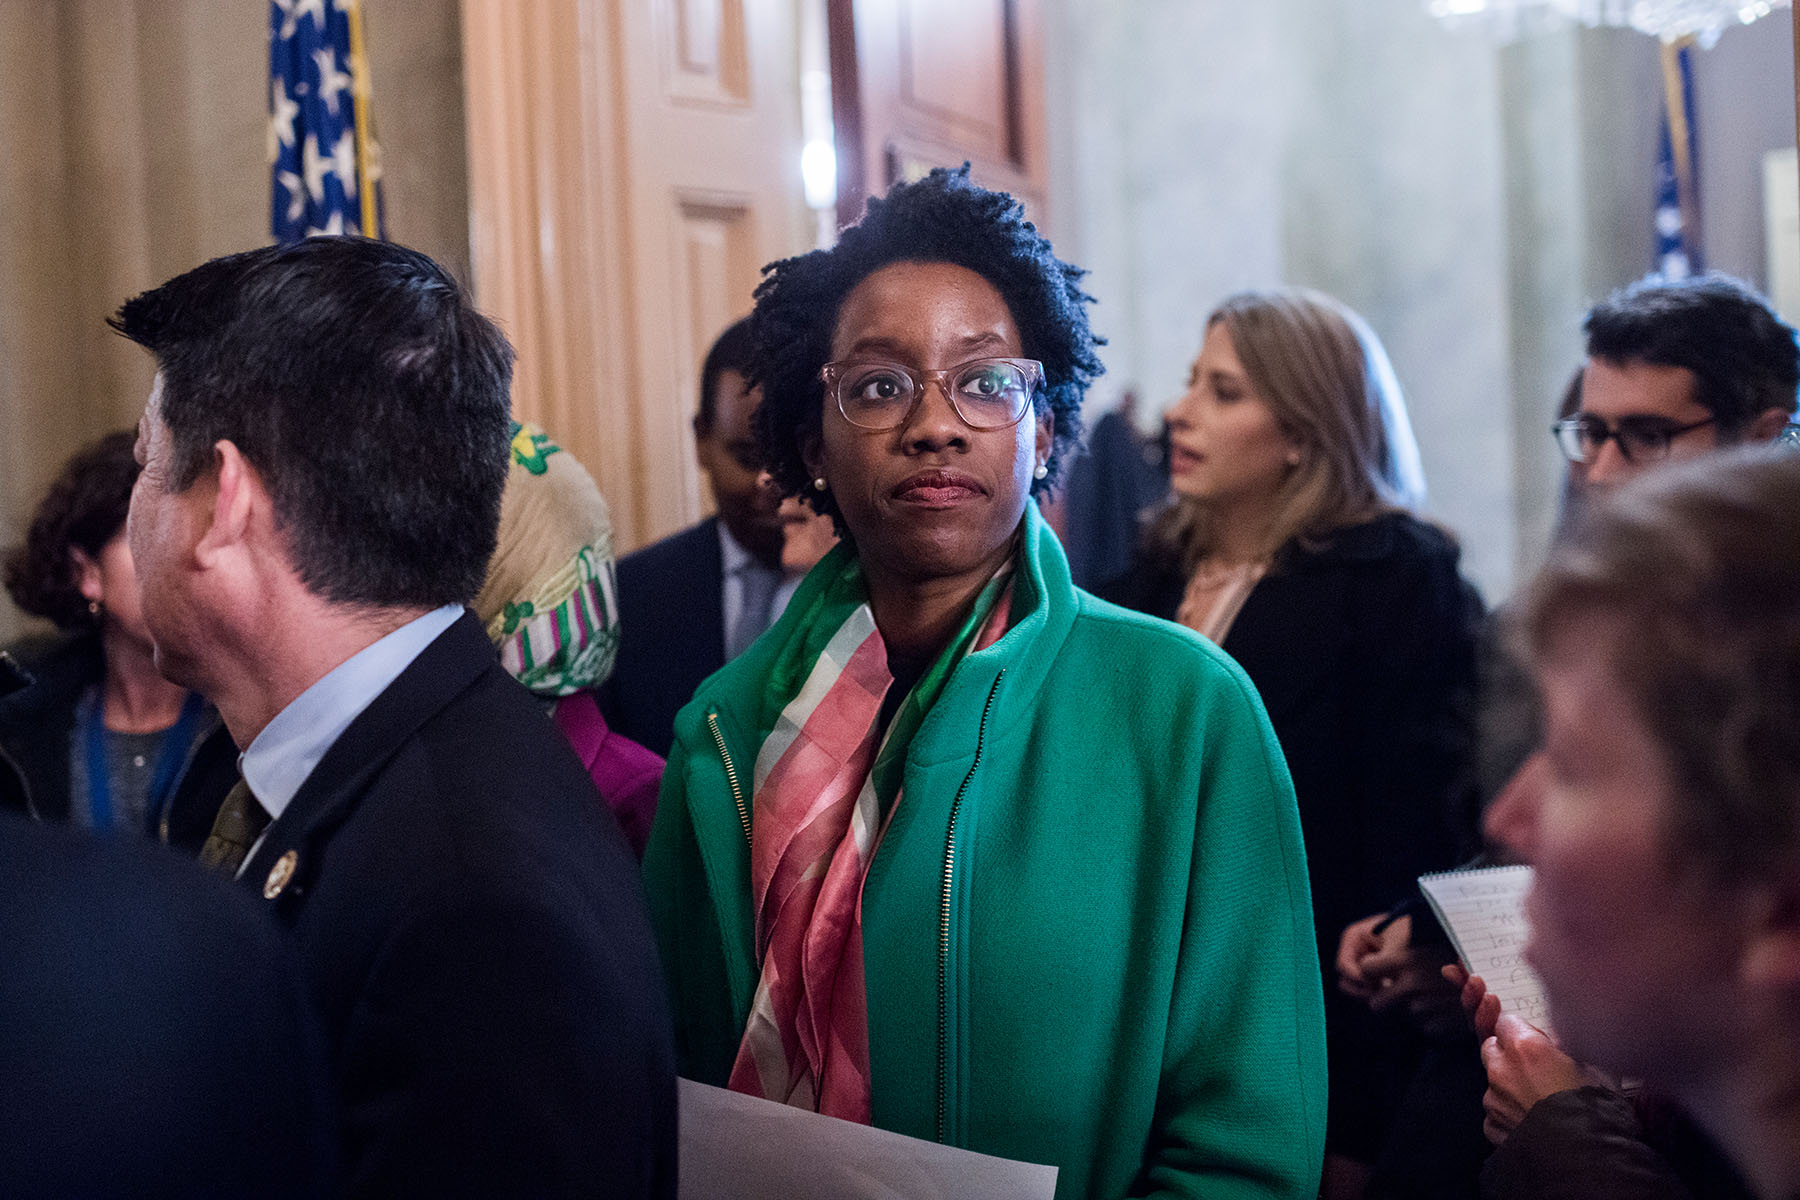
(83,510)
(942,218)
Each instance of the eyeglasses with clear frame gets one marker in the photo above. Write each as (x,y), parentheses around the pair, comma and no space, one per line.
(987,393)
(1640,439)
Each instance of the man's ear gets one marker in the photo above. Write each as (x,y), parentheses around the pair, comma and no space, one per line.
(1772,939)
(239,501)
(1768,425)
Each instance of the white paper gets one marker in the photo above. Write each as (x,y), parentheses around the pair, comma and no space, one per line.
(734,1145)
(1483,911)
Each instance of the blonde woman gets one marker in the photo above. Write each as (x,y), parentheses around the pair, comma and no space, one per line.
(1289,542)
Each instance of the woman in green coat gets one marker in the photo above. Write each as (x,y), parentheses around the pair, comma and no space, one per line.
(956,849)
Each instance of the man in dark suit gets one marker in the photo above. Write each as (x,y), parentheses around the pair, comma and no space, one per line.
(696,599)
(156,1036)
(324,451)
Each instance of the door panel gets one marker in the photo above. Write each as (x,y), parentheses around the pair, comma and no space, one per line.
(633,165)
(924,83)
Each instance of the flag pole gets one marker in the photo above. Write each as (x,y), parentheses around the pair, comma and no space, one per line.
(1675,98)
(359,99)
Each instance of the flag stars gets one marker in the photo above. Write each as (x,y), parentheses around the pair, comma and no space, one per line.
(293,10)
(296,204)
(320,168)
(332,82)
(316,166)
(282,111)
(343,160)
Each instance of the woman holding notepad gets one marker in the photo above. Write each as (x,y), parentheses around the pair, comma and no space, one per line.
(1289,542)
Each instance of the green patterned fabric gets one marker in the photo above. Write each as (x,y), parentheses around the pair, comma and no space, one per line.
(550,603)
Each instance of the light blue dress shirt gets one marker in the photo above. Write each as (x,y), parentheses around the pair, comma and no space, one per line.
(284,754)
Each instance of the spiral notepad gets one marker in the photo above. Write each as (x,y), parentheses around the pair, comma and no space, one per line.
(1483,911)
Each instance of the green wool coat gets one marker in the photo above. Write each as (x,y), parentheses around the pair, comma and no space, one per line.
(1087,934)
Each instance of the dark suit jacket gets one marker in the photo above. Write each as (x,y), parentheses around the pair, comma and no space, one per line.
(475,931)
(1364,652)
(671,633)
(156,1036)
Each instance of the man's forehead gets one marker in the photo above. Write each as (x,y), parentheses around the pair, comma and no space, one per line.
(1618,390)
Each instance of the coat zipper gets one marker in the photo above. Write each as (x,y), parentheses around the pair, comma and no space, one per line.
(943,1013)
(731,775)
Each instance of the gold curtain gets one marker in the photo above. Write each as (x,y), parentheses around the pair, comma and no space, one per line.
(133,145)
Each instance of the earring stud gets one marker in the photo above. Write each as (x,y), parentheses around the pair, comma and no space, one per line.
(819,484)
(1042,471)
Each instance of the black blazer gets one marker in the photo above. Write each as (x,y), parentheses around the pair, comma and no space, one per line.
(156,1035)
(671,633)
(475,931)
(1364,652)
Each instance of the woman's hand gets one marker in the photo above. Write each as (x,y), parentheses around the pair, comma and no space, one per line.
(1387,972)
(1357,944)
(1480,1007)
(1523,1063)
(1523,1067)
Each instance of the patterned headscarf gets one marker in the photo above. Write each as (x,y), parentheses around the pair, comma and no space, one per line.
(549,602)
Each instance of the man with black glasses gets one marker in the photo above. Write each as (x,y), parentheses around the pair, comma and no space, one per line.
(1676,369)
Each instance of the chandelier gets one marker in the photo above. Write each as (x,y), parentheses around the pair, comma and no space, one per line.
(1670,20)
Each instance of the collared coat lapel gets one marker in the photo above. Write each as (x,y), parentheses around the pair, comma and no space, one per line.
(441,672)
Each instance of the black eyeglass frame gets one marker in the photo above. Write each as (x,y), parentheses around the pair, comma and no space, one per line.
(1653,436)
(832,374)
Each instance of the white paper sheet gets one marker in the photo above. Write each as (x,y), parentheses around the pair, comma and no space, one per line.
(734,1145)
(1483,911)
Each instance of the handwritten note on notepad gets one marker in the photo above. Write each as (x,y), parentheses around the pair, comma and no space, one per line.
(1483,911)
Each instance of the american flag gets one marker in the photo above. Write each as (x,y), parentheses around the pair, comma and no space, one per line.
(325,168)
(1678,169)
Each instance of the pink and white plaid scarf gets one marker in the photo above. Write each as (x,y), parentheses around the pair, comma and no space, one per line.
(817,821)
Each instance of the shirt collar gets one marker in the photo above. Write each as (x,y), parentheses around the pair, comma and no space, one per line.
(735,557)
(281,757)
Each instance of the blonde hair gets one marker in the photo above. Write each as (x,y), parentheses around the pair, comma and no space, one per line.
(1327,380)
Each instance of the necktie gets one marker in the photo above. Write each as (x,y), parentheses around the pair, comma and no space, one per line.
(753,615)
(240,822)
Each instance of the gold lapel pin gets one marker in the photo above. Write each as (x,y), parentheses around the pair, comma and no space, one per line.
(280,874)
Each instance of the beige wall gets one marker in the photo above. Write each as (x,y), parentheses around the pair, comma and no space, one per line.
(132,147)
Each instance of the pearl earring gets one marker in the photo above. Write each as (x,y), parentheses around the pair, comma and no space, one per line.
(1041,472)
(819,484)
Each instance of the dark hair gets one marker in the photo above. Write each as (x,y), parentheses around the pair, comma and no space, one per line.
(1697,566)
(730,352)
(371,397)
(943,218)
(1743,356)
(83,510)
